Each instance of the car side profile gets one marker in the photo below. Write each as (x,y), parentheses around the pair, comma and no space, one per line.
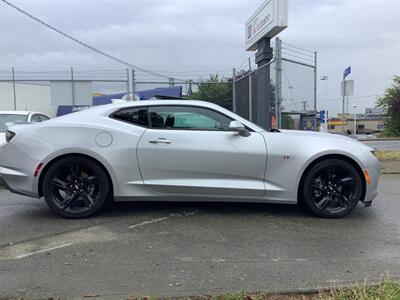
(181,150)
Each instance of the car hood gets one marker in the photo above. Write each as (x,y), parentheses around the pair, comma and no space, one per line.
(324,135)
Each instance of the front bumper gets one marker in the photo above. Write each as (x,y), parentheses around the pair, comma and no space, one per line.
(372,189)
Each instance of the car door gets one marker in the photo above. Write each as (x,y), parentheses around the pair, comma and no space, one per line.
(190,150)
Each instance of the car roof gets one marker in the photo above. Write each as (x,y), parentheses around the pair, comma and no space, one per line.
(20,112)
(14,112)
(105,110)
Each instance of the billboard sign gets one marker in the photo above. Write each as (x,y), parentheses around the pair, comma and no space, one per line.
(347,88)
(268,20)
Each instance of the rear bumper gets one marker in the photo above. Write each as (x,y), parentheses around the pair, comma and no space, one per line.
(18,182)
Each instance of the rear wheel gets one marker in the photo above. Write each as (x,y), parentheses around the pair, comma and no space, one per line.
(76,187)
(332,188)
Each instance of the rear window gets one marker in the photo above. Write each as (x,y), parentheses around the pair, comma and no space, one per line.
(10,118)
(136,116)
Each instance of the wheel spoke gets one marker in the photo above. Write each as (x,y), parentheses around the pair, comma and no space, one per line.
(60,184)
(324,202)
(318,187)
(70,200)
(346,181)
(89,198)
(75,170)
(91,179)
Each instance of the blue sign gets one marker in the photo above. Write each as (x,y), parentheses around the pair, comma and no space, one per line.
(347,71)
(322,116)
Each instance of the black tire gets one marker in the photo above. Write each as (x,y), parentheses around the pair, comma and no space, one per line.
(332,188)
(76,187)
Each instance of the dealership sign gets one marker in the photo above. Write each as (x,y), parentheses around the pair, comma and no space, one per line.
(269,19)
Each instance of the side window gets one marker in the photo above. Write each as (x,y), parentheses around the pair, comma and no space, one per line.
(133,115)
(43,118)
(187,117)
(35,119)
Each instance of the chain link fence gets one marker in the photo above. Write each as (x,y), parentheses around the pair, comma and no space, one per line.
(292,88)
(46,91)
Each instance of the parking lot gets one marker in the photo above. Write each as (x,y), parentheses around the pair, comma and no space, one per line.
(173,249)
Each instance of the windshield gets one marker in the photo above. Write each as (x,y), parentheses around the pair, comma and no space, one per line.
(10,118)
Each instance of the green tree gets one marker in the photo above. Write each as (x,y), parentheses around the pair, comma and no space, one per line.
(390,102)
(287,122)
(216,90)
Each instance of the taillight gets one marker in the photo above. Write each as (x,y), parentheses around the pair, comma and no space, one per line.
(9,135)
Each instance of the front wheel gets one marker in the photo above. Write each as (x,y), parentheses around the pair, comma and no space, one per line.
(332,188)
(76,187)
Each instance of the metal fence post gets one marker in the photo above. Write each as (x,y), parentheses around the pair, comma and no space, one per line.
(127,84)
(315,91)
(190,89)
(233,90)
(278,82)
(133,84)
(15,95)
(72,88)
(250,92)
(171,81)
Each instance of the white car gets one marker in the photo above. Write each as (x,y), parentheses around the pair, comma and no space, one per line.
(17,117)
(182,150)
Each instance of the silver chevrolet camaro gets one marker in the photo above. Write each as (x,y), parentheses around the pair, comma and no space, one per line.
(180,150)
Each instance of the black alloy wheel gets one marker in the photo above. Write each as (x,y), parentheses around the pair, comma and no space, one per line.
(76,187)
(332,188)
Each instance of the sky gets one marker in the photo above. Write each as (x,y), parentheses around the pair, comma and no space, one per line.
(193,38)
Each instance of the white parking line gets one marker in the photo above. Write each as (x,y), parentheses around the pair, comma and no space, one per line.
(43,250)
(148,222)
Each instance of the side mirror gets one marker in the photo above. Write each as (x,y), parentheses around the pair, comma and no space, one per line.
(239,128)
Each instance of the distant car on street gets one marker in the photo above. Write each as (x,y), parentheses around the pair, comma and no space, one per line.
(18,117)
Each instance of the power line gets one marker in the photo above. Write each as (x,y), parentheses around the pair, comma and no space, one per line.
(116,59)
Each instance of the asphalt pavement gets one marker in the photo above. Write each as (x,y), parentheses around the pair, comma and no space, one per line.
(178,249)
(384,145)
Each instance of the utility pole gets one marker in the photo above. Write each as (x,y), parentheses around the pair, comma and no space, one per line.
(343,102)
(250,92)
(315,91)
(234,90)
(278,81)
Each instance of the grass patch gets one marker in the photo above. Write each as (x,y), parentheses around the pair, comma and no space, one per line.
(385,155)
(383,291)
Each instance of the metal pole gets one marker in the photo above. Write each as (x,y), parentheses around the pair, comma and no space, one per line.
(133,84)
(15,95)
(250,93)
(72,88)
(315,91)
(278,82)
(234,90)
(127,84)
(171,81)
(190,89)
(355,119)
(343,103)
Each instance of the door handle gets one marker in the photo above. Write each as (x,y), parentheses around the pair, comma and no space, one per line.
(160,141)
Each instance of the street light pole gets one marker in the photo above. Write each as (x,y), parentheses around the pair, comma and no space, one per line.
(355,119)
(325,78)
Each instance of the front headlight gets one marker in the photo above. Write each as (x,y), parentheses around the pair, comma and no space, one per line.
(9,135)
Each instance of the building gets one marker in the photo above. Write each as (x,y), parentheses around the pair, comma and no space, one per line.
(372,121)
